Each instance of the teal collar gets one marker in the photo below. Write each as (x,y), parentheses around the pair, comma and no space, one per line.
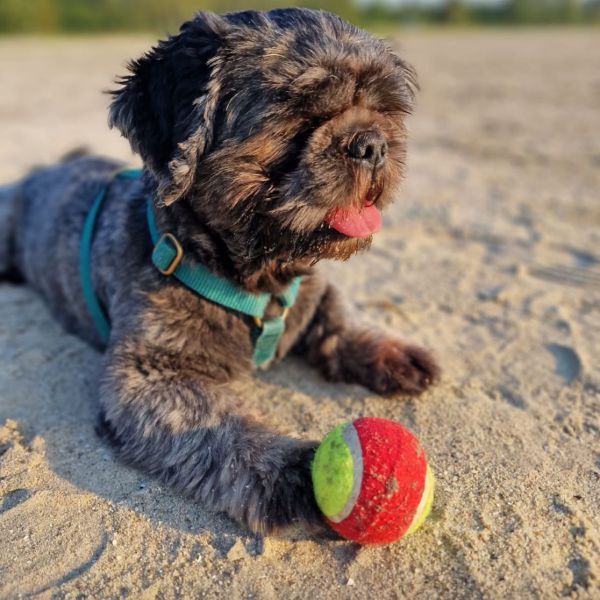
(169,258)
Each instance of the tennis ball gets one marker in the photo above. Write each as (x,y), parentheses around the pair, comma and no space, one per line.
(371,481)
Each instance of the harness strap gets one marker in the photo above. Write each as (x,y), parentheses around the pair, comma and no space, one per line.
(85,258)
(168,257)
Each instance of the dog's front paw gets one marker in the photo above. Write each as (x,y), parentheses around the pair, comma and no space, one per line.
(389,367)
(401,369)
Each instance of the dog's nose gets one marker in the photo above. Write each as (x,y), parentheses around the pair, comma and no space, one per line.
(368,146)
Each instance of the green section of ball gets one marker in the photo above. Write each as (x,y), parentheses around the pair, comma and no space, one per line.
(333,473)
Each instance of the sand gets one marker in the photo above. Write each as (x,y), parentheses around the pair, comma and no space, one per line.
(491,256)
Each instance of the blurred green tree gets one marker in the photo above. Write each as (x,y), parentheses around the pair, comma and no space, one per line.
(166,15)
(572,10)
(546,11)
(457,12)
(31,15)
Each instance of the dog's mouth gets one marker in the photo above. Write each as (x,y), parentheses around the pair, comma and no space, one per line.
(355,222)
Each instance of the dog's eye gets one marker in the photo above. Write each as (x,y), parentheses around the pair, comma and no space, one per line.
(287,163)
(312,123)
(316,122)
(294,148)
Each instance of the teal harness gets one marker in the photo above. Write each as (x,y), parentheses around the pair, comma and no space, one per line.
(168,257)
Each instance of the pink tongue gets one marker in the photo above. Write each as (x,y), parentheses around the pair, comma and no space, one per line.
(355,222)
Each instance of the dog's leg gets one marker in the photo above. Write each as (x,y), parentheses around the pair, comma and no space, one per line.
(163,416)
(344,351)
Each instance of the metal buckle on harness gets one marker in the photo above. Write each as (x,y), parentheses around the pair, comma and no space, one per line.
(259,322)
(169,237)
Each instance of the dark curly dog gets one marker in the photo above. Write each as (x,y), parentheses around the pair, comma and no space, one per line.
(270,141)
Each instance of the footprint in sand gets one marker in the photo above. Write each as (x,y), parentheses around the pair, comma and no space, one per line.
(583,271)
(567,362)
(14,498)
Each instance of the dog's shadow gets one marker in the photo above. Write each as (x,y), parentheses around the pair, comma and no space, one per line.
(48,383)
(294,376)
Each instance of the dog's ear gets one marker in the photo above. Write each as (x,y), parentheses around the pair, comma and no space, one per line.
(409,77)
(166,106)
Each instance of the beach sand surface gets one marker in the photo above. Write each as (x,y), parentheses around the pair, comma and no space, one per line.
(490,256)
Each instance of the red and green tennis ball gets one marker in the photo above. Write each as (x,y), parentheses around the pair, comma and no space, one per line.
(371,481)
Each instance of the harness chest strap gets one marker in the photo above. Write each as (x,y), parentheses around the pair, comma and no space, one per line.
(168,257)
(85,258)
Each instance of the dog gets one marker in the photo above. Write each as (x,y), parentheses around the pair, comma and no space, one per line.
(270,141)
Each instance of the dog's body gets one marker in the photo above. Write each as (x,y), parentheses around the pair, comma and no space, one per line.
(245,180)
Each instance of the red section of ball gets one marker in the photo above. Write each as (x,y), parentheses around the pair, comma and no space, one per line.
(394,472)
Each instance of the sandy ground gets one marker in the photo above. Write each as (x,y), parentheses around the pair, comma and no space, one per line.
(491,256)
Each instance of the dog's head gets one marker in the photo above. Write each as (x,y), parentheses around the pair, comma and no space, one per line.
(280,135)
